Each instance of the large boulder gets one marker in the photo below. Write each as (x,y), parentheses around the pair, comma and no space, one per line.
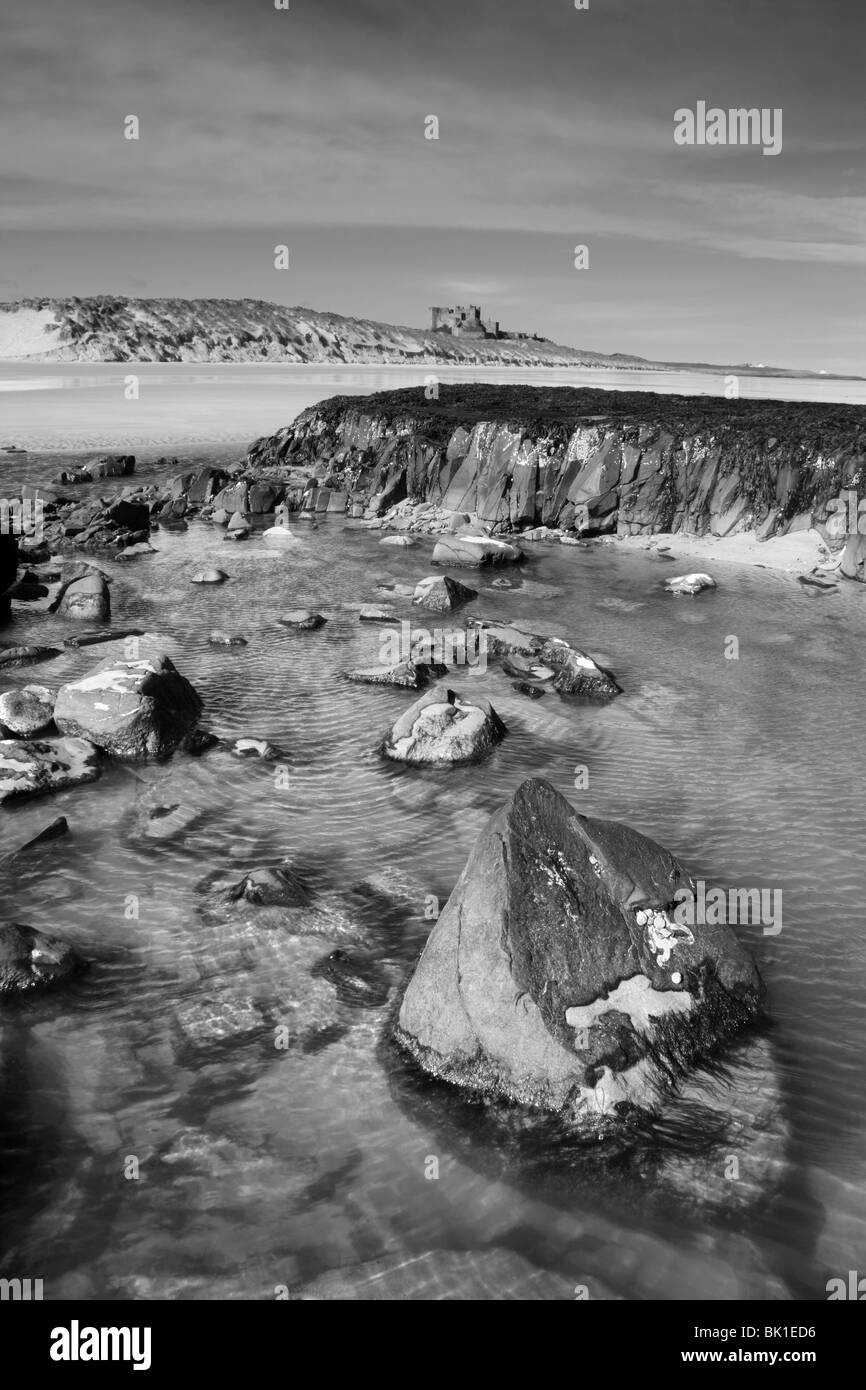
(30,961)
(87,598)
(442,593)
(471,552)
(557,975)
(130,709)
(33,767)
(442,727)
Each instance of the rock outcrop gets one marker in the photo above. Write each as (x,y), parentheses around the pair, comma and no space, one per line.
(557,975)
(579,462)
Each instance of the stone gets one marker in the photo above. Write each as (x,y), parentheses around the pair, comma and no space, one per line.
(533,692)
(302,618)
(209,576)
(218,638)
(25,655)
(256,748)
(690,583)
(442,727)
(576,673)
(35,767)
(401,542)
(31,961)
(376,613)
(26,712)
(87,599)
(442,593)
(558,976)
(412,675)
(130,709)
(111,466)
(359,980)
(471,552)
(281,537)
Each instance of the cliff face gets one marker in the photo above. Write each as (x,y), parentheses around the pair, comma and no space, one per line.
(589,460)
(112,328)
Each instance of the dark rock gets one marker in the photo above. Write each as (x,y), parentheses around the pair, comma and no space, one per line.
(412,675)
(577,673)
(357,980)
(93,639)
(442,594)
(558,976)
(31,961)
(25,655)
(302,618)
(534,692)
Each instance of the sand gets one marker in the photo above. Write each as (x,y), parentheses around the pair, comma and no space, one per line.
(798,553)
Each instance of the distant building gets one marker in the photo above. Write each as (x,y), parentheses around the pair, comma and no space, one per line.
(464,321)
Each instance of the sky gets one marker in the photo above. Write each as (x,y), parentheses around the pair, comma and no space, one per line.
(305,127)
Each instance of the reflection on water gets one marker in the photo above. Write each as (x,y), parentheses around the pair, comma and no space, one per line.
(259,1168)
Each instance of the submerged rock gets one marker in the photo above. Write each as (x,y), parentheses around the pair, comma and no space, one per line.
(556,975)
(442,593)
(357,979)
(442,727)
(690,583)
(25,655)
(130,709)
(218,638)
(31,961)
(32,768)
(26,712)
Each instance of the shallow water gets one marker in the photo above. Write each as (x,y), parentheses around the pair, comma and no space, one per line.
(93,405)
(260,1168)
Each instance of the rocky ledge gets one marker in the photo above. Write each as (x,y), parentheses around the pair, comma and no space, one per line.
(566,462)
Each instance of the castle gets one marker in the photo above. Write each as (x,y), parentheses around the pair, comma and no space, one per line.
(464,321)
